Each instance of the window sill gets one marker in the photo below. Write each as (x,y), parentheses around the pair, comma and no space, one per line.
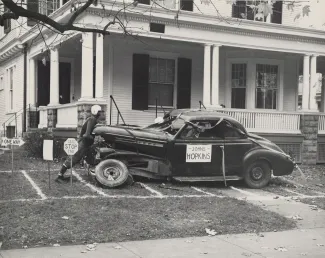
(11,112)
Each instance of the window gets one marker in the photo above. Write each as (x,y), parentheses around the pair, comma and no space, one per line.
(47,7)
(249,10)
(11,88)
(214,130)
(161,82)
(7,23)
(156,27)
(238,85)
(1,83)
(266,86)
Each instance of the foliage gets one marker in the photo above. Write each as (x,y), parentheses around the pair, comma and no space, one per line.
(34,144)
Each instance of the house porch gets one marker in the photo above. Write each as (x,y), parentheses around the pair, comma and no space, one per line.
(257,87)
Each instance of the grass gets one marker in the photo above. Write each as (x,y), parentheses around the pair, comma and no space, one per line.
(106,220)
(40,223)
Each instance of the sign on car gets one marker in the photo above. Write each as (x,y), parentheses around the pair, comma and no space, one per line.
(198,153)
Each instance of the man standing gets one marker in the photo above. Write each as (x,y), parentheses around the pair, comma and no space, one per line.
(85,141)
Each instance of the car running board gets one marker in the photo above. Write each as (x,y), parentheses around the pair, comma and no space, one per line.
(206,178)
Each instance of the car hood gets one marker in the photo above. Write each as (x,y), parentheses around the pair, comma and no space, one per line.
(133,132)
(265,143)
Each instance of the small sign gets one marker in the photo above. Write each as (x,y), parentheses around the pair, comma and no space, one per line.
(71,146)
(12,141)
(198,153)
(48,149)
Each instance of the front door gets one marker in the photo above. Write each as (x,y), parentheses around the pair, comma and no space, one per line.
(196,153)
(43,83)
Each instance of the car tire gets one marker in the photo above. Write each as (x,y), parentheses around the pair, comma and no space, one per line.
(258,174)
(111,173)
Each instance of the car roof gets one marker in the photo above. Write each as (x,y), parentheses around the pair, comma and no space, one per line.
(194,114)
(203,114)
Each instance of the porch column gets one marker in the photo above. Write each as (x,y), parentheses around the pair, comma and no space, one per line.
(268,18)
(305,87)
(207,76)
(215,75)
(54,77)
(313,83)
(32,82)
(99,66)
(87,66)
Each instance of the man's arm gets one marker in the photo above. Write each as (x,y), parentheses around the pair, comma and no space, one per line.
(90,126)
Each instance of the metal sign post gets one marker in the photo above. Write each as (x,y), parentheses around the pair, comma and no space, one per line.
(71,147)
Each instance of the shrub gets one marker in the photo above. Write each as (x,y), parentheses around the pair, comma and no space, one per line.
(34,144)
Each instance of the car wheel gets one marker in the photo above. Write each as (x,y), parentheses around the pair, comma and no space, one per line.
(111,173)
(258,174)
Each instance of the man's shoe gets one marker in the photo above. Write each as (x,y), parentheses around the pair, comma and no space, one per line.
(62,179)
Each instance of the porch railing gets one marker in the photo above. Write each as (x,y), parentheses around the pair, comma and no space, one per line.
(119,114)
(266,121)
(321,124)
(10,126)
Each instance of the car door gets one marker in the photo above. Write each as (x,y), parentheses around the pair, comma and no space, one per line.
(236,146)
(196,155)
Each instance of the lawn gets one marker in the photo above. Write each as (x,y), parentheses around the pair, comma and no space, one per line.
(40,223)
(105,220)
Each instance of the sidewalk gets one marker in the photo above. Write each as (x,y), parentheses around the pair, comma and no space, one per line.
(297,243)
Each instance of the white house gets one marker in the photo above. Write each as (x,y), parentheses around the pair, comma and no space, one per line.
(179,53)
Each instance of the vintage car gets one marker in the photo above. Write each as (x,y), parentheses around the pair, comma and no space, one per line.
(188,146)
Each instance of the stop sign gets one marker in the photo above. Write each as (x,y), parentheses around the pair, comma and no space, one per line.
(70,146)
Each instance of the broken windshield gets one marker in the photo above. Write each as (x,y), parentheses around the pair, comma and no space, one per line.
(170,125)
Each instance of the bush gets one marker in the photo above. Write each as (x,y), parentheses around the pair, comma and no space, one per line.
(34,144)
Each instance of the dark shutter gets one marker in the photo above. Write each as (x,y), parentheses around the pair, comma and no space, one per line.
(144,2)
(184,78)
(277,12)
(187,5)
(32,5)
(7,23)
(140,81)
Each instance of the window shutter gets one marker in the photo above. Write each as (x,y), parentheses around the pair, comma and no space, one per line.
(140,81)
(32,5)
(186,5)
(7,23)
(144,2)
(184,79)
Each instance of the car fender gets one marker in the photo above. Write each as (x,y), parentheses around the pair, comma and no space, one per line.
(279,163)
(156,165)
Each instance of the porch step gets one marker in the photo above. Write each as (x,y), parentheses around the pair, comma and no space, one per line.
(206,178)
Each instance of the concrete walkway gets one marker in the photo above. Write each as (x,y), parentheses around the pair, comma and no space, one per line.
(288,244)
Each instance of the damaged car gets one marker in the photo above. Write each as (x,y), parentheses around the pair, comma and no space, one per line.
(187,146)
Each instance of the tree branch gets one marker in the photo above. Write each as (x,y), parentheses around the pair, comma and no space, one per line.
(18,11)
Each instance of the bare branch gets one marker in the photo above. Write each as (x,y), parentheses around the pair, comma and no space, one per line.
(79,11)
(17,11)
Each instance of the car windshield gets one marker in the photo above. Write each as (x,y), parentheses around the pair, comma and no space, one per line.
(169,125)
